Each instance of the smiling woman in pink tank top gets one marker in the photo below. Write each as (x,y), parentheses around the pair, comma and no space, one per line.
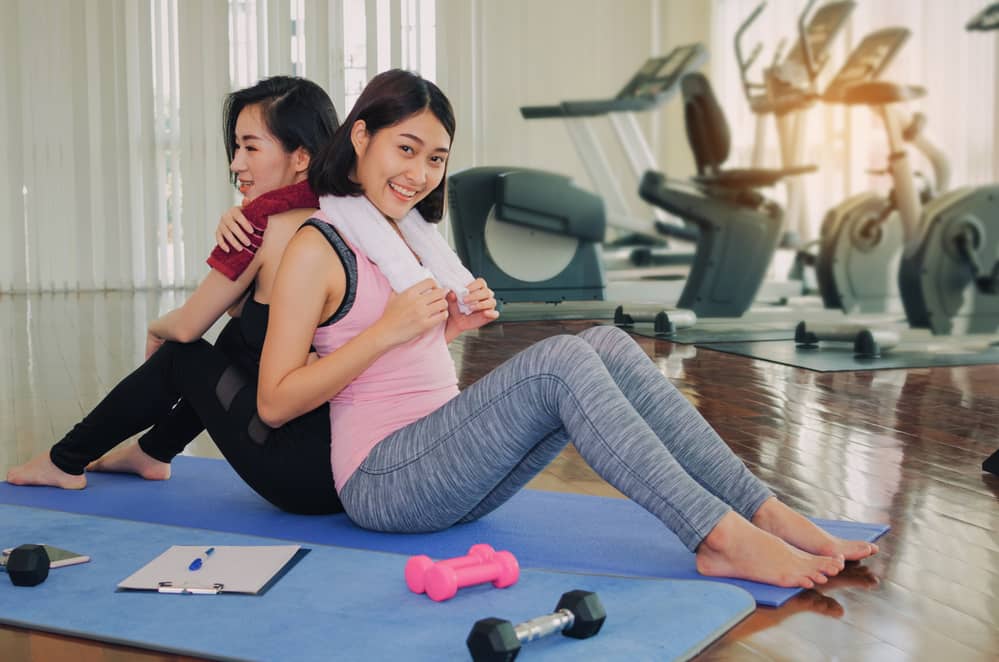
(411,454)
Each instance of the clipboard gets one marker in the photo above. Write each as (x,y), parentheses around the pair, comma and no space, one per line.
(205,570)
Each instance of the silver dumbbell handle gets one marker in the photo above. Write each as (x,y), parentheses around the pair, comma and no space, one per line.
(542,626)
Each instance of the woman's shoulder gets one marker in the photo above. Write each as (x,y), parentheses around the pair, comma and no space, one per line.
(291,219)
(281,227)
(280,231)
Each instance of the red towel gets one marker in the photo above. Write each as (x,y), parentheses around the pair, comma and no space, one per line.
(296,196)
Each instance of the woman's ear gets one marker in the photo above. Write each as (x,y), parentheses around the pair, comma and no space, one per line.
(359,137)
(300,160)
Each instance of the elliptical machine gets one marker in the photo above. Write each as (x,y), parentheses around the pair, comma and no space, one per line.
(949,271)
(861,238)
(987,19)
(787,90)
(737,228)
(535,236)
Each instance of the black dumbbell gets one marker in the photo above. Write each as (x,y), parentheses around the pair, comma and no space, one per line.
(578,614)
(28,565)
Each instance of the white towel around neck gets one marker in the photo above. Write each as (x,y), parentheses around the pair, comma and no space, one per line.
(360,223)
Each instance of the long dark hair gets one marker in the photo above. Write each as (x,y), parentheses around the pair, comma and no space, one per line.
(296,111)
(389,98)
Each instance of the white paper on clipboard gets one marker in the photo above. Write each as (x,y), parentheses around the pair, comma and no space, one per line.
(228,569)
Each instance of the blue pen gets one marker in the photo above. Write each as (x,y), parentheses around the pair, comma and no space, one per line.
(200,561)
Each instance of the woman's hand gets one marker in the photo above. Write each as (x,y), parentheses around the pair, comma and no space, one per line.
(482,303)
(153,343)
(233,230)
(412,312)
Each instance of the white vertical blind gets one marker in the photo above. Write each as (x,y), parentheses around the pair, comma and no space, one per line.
(277,26)
(144,189)
(395,30)
(113,171)
(243,42)
(77,148)
(204,81)
(166,117)
(324,47)
(459,73)
(13,256)
(371,20)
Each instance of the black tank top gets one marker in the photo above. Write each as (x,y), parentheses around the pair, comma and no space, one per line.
(244,336)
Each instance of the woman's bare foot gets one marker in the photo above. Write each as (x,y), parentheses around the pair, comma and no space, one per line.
(131,459)
(39,470)
(736,548)
(798,530)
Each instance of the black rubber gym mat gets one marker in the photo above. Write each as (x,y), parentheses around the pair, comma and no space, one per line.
(839,357)
(700,334)
(763,324)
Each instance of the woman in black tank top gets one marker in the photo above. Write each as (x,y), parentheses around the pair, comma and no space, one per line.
(186,384)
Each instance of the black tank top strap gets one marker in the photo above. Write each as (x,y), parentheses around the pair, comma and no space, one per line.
(349,261)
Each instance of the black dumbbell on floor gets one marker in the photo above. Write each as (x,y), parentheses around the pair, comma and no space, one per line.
(28,565)
(578,614)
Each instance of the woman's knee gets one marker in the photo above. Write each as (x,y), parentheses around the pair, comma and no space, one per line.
(606,336)
(188,363)
(557,354)
(185,350)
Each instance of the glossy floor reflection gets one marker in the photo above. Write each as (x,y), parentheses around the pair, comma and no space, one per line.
(902,446)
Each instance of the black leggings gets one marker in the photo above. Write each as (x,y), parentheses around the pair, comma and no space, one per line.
(991,463)
(186,387)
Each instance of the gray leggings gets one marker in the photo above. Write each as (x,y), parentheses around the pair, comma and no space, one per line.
(597,389)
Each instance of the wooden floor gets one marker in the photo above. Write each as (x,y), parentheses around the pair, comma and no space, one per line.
(902,447)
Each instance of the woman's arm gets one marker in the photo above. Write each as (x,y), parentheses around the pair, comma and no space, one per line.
(217,294)
(310,285)
(213,296)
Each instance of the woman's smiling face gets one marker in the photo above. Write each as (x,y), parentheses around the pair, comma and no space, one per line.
(260,161)
(401,164)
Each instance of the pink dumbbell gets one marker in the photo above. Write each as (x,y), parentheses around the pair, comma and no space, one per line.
(442,582)
(417,566)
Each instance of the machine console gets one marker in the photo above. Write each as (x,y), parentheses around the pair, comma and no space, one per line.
(987,19)
(822,29)
(867,61)
(659,78)
(654,84)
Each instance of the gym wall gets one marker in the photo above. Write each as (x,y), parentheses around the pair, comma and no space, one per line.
(494,57)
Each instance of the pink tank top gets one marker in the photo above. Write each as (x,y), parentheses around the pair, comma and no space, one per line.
(401,386)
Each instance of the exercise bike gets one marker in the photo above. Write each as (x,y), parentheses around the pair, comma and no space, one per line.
(948,275)
(860,240)
(739,227)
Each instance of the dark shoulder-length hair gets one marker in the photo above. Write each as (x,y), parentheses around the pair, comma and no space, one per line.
(389,98)
(296,111)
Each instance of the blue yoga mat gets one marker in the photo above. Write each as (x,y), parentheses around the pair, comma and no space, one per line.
(335,603)
(546,530)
